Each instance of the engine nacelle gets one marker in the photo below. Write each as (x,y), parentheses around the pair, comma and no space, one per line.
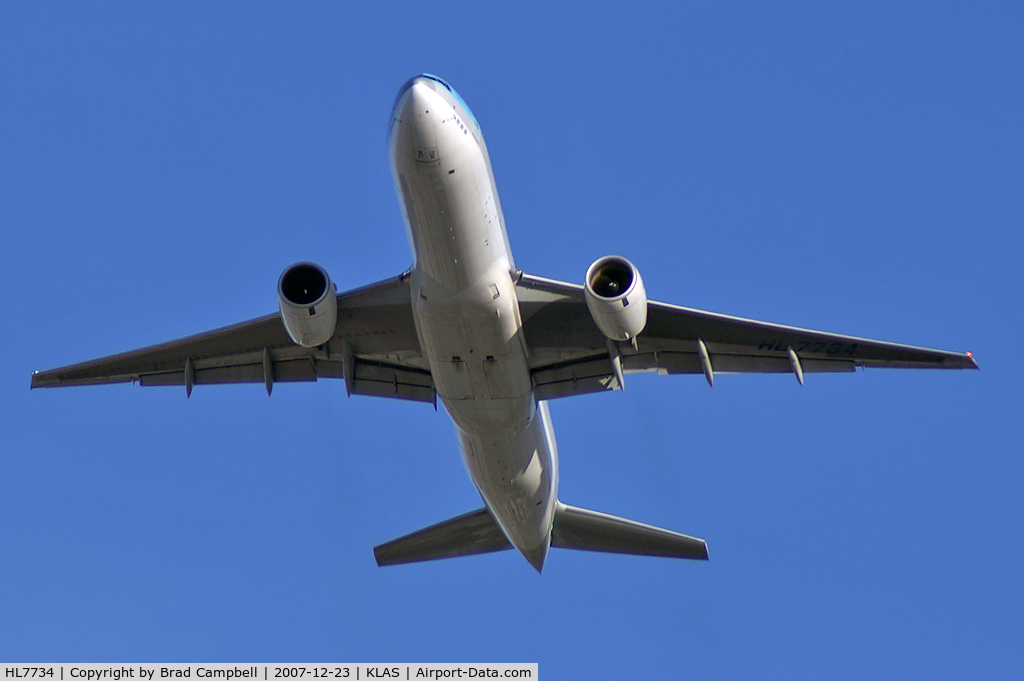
(309,304)
(616,297)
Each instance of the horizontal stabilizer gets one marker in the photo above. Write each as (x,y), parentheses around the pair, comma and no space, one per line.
(472,533)
(583,530)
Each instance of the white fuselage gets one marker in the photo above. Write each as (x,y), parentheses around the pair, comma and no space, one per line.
(467,313)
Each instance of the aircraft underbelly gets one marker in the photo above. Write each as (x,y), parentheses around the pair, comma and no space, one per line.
(467,318)
(472,340)
(517,475)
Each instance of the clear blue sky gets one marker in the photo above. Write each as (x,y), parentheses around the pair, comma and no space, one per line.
(855,169)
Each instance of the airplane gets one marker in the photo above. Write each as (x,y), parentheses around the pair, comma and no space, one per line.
(494,343)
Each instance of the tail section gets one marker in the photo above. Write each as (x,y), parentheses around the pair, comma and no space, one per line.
(583,530)
(572,528)
(469,534)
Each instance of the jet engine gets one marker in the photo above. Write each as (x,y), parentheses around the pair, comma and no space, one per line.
(616,297)
(309,304)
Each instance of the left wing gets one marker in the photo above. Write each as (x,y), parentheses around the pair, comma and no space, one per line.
(375,349)
(569,355)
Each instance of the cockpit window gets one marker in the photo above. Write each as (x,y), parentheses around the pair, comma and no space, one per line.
(442,81)
(457,96)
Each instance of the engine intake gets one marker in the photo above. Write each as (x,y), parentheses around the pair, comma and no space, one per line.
(616,297)
(309,304)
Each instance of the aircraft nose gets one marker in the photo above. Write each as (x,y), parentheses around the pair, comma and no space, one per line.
(416,100)
(415,112)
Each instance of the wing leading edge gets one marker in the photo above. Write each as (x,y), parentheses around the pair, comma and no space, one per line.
(375,350)
(569,354)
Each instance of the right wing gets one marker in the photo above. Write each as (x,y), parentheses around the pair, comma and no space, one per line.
(569,355)
(375,350)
